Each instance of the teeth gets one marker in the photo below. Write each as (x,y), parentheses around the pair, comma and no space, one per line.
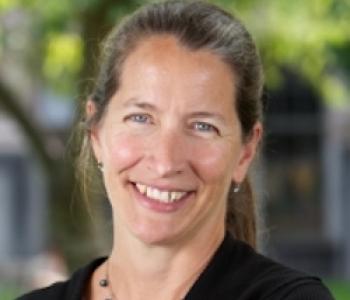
(161,196)
(141,188)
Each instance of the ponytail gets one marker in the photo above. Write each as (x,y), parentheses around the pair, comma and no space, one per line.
(241,216)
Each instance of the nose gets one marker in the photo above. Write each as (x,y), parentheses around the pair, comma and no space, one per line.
(167,155)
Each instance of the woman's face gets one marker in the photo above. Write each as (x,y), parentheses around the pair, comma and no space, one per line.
(170,142)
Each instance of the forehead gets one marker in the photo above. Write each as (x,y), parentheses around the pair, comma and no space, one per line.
(160,66)
(166,52)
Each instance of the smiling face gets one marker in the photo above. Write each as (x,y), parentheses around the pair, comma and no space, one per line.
(170,142)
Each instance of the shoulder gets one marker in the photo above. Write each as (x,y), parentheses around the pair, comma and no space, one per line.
(307,291)
(264,278)
(238,272)
(55,291)
(71,289)
(273,280)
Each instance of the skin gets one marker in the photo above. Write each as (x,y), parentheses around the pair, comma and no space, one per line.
(171,125)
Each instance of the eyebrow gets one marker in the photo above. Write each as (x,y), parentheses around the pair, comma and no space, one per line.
(207,114)
(140,104)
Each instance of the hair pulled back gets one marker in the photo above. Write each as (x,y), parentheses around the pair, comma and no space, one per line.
(198,26)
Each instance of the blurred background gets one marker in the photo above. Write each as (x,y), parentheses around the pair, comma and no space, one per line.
(48,54)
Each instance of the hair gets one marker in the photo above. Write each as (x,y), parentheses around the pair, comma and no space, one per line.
(198,26)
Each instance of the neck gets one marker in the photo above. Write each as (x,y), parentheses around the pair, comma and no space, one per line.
(159,272)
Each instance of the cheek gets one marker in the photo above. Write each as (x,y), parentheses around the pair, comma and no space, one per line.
(214,161)
(123,151)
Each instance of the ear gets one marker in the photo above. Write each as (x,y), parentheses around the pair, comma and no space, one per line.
(90,111)
(247,153)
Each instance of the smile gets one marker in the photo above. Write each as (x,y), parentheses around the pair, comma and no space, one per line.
(162,196)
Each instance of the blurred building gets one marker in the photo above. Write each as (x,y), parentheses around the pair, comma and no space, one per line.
(307,165)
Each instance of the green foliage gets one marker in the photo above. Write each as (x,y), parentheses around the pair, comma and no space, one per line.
(9,291)
(63,60)
(311,37)
(340,289)
(6,5)
(57,28)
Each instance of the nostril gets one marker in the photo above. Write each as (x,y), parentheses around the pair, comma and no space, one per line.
(165,169)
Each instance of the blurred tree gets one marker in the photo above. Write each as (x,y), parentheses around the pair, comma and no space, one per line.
(67,35)
(310,37)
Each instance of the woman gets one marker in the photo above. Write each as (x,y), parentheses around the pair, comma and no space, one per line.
(174,123)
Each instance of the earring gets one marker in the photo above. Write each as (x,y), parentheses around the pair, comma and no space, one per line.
(100,166)
(236,188)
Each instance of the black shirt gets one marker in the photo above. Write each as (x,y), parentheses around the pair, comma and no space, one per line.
(235,272)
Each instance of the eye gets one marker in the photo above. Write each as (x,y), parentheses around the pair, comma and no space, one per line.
(139,118)
(205,127)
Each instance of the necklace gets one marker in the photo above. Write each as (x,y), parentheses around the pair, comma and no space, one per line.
(107,284)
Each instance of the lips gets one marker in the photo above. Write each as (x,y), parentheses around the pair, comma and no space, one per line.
(162,196)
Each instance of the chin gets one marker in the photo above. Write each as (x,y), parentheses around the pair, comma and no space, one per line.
(155,235)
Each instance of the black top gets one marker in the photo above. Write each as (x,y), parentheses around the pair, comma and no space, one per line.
(235,272)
